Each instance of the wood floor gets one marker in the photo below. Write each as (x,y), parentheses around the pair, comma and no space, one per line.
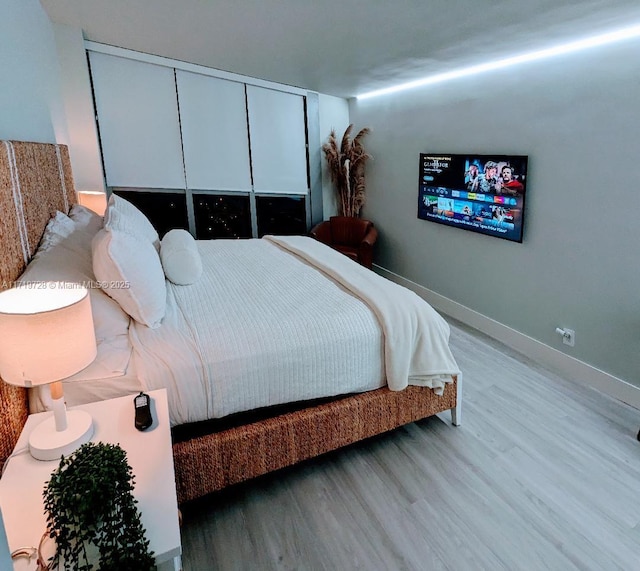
(543,474)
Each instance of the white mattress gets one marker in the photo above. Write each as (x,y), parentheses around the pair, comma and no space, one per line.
(261,327)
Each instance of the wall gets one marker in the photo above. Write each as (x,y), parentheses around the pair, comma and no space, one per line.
(84,149)
(577,118)
(334,114)
(30,97)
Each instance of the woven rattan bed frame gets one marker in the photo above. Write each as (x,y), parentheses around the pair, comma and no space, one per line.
(35,181)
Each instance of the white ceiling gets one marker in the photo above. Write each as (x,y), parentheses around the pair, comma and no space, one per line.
(339,47)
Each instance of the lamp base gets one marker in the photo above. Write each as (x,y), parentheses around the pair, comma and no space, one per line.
(46,443)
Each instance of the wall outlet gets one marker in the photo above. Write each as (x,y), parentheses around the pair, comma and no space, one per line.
(569,337)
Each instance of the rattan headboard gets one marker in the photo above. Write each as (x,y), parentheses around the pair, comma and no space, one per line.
(35,181)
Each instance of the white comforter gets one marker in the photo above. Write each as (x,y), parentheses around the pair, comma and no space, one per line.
(263,326)
(259,328)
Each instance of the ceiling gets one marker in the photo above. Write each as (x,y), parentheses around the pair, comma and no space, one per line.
(339,47)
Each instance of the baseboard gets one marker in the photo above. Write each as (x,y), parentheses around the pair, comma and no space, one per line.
(558,361)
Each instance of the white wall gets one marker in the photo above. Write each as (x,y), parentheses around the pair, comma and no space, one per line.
(30,97)
(334,114)
(84,149)
(577,118)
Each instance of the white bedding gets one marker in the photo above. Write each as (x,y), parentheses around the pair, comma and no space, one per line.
(261,327)
(416,337)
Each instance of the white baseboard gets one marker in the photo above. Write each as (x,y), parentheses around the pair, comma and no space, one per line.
(558,361)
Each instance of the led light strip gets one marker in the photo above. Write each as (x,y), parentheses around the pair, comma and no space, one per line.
(579,45)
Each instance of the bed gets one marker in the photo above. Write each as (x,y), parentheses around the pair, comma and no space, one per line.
(290,400)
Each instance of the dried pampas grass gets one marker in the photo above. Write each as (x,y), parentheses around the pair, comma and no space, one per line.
(346,165)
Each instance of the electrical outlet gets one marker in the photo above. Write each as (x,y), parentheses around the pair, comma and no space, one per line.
(569,337)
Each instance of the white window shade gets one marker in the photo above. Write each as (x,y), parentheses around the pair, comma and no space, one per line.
(137,112)
(213,116)
(278,142)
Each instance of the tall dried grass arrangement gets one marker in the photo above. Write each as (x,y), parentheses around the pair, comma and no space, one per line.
(346,166)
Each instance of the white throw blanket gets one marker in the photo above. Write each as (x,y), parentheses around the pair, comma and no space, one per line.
(416,336)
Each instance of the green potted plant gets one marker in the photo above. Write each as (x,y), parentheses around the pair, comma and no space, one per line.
(346,162)
(92,514)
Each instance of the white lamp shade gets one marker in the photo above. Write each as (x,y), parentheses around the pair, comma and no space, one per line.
(46,332)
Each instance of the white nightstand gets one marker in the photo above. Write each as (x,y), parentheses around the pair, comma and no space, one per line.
(149,454)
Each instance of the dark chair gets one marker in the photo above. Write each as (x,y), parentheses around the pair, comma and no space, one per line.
(353,237)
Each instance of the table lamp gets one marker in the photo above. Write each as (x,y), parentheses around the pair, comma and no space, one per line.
(46,335)
(95,200)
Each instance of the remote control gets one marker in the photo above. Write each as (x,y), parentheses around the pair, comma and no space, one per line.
(142,404)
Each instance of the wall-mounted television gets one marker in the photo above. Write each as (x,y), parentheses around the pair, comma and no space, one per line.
(481,193)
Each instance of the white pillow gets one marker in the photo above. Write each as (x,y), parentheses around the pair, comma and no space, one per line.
(59,227)
(86,219)
(180,258)
(129,269)
(70,261)
(130,219)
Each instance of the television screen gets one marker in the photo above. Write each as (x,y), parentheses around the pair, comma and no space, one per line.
(481,193)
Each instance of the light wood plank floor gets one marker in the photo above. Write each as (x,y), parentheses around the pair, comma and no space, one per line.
(543,474)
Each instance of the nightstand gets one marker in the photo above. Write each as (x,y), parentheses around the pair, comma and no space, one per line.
(149,454)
